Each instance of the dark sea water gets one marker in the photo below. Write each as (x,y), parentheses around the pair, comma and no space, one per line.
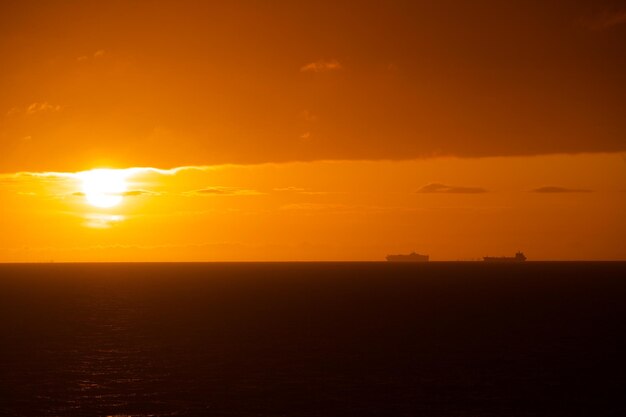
(313,339)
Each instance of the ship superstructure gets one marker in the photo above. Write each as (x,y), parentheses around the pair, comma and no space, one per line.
(411,257)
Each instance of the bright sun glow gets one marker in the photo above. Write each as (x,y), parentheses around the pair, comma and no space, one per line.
(104,188)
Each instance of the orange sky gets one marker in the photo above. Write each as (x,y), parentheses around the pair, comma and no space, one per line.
(318,131)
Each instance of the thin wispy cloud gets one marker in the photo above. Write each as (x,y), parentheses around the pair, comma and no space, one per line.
(102,221)
(98,54)
(129,193)
(322,66)
(25,177)
(175,170)
(50,176)
(344,208)
(290,189)
(42,107)
(437,188)
(35,108)
(222,191)
(315,207)
(308,116)
(137,193)
(299,190)
(551,189)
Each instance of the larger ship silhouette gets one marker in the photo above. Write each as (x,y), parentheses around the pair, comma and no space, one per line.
(411,257)
(519,257)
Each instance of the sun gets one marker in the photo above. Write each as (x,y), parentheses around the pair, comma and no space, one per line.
(103,188)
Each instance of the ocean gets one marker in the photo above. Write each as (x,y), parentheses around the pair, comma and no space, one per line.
(313,339)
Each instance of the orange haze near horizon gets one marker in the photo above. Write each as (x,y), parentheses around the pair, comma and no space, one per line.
(270,131)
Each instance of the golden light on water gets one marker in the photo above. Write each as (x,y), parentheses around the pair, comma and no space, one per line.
(103,188)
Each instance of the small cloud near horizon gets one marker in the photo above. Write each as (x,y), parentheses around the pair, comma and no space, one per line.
(322,66)
(134,193)
(291,189)
(299,190)
(555,189)
(433,188)
(222,191)
(314,207)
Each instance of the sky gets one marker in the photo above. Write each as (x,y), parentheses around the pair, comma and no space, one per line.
(268,131)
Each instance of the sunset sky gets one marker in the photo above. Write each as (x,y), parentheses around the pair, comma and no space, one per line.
(328,130)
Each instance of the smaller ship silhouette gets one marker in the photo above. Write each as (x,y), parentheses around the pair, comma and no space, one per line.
(519,257)
(411,257)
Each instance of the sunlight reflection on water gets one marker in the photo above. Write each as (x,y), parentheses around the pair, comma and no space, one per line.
(308,340)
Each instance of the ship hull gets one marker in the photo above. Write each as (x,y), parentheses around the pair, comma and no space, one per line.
(503,259)
(407,258)
(519,257)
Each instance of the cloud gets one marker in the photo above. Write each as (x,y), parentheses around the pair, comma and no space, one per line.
(61,184)
(98,54)
(315,207)
(135,193)
(299,190)
(52,176)
(42,107)
(554,189)
(35,108)
(129,193)
(13,111)
(173,171)
(344,208)
(31,177)
(322,66)
(209,191)
(102,221)
(606,20)
(291,189)
(308,116)
(433,188)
